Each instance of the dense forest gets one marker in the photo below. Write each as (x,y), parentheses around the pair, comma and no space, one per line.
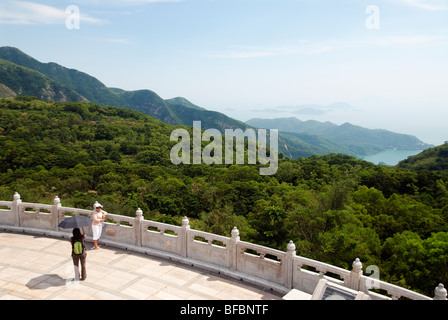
(335,207)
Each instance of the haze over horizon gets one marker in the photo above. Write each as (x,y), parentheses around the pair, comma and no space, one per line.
(376,64)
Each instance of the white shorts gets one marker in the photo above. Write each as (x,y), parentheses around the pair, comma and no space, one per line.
(96,232)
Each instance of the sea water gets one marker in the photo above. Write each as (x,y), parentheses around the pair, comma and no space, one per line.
(391,157)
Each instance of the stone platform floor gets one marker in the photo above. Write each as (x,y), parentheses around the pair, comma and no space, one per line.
(40,268)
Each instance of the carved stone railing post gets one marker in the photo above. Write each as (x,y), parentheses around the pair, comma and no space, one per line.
(183,237)
(355,274)
(440,292)
(289,264)
(15,209)
(55,213)
(138,227)
(232,251)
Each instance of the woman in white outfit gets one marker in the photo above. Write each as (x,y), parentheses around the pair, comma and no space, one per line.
(98,217)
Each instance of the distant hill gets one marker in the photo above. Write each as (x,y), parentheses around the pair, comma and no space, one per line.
(20,74)
(90,89)
(19,80)
(430,159)
(356,139)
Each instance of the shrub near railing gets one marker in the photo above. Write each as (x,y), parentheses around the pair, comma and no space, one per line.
(276,270)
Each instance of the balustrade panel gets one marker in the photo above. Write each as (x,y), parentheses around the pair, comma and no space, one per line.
(7,217)
(208,247)
(161,236)
(34,215)
(119,228)
(262,262)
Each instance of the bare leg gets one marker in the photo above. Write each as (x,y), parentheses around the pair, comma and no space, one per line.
(95,244)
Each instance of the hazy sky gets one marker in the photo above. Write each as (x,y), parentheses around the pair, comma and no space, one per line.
(377,63)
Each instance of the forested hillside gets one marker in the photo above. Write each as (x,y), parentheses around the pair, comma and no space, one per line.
(335,208)
(22,81)
(430,159)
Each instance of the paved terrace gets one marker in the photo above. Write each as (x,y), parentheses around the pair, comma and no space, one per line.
(40,268)
(162,262)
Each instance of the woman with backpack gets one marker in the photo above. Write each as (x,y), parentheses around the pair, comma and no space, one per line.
(79,252)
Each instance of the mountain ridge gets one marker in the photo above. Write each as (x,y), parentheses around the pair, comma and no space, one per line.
(21,74)
(358,139)
(19,80)
(93,90)
(175,111)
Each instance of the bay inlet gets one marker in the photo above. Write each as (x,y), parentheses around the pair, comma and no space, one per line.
(390,157)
